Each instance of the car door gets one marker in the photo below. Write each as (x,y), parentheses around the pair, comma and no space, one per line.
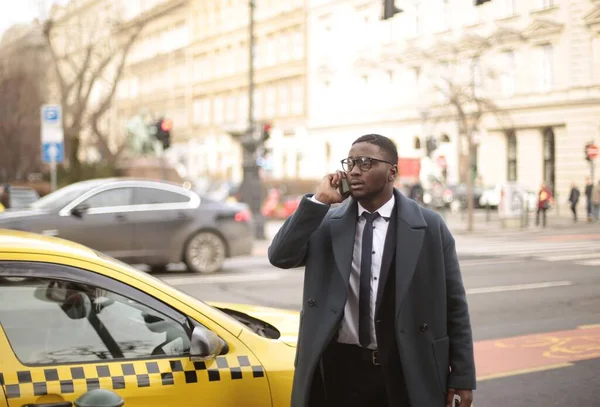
(70,331)
(105,225)
(159,222)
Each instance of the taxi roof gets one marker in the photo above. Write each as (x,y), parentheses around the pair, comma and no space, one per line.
(26,242)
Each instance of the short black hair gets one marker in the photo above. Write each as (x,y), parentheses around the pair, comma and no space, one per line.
(385,144)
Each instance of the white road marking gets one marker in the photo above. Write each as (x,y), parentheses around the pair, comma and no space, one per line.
(518,287)
(486,262)
(567,257)
(590,263)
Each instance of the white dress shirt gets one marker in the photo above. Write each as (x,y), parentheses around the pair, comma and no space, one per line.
(349,327)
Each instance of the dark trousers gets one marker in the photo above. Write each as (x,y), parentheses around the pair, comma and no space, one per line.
(589,208)
(574,210)
(537,216)
(352,380)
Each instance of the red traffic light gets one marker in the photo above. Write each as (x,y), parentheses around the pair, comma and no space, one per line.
(592,151)
(267,127)
(166,125)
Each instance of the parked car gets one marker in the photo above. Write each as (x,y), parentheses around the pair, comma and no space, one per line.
(456,197)
(83,321)
(141,222)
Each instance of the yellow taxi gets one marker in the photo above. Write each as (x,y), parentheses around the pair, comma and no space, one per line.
(75,323)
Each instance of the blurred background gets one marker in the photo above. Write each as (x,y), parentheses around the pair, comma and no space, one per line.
(478,95)
(244,105)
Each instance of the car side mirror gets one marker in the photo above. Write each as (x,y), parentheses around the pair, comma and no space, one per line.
(206,345)
(80,210)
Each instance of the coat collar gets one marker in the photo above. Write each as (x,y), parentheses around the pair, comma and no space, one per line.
(407,210)
(409,238)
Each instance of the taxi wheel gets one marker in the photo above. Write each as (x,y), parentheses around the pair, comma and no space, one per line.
(205,253)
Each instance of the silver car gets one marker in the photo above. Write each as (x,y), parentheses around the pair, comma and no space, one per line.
(141,222)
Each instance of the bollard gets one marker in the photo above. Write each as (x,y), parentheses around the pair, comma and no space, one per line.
(99,398)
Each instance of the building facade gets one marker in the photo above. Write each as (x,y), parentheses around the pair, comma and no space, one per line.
(191,65)
(540,70)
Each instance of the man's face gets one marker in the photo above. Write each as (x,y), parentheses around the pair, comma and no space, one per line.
(370,183)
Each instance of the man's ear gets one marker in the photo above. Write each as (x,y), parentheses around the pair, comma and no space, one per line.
(393,173)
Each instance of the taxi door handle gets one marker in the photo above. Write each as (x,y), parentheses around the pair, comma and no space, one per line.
(58,404)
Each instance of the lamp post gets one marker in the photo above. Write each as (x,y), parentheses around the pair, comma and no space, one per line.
(251,188)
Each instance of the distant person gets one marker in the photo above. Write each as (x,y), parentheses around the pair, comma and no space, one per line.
(596,202)
(589,186)
(416,193)
(544,200)
(574,200)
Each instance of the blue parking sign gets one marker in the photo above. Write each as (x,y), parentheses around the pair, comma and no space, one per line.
(51,113)
(53,151)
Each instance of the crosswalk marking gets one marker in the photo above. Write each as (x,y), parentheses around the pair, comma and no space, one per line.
(581,252)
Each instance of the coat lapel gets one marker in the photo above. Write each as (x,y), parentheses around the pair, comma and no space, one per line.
(343,229)
(388,255)
(409,239)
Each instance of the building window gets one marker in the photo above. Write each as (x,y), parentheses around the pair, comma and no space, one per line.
(298,44)
(546,67)
(511,156)
(283,96)
(218,110)
(549,159)
(417,143)
(507,77)
(297,98)
(271,101)
(546,3)
(509,7)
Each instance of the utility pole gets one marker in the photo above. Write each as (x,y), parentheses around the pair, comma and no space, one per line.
(251,188)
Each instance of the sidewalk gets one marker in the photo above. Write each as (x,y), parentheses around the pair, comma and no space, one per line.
(484,225)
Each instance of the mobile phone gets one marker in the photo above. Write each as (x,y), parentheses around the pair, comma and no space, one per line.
(345,188)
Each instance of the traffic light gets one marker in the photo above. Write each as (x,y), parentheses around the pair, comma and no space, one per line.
(266,131)
(480,2)
(163,131)
(390,9)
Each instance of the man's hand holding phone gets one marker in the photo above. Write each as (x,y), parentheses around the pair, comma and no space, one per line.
(333,189)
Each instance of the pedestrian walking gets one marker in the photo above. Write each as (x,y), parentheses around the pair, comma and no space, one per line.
(574,200)
(589,186)
(596,201)
(544,200)
(384,318)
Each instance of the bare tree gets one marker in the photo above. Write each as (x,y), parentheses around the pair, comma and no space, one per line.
(457,76)
(21,95)
(88,54)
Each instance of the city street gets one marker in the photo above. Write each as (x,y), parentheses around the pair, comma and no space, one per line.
(534,303)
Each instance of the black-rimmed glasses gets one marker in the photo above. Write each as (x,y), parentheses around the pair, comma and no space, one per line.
(364,163)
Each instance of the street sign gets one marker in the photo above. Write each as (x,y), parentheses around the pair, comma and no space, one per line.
(592,151)
(53,152)
(52,138)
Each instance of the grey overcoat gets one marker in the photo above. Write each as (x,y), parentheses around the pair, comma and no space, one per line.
(432,323)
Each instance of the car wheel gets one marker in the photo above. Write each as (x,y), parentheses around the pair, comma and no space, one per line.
(205,253)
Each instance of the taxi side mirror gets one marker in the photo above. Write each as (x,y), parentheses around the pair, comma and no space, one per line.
(205,344)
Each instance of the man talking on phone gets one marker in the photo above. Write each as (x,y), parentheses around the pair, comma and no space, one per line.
(384,318)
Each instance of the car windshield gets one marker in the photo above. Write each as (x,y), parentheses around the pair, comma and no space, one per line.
(58,199)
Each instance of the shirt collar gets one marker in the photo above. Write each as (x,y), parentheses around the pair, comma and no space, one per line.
(385,211)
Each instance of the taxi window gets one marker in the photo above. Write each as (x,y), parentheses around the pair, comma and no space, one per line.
(55,322)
